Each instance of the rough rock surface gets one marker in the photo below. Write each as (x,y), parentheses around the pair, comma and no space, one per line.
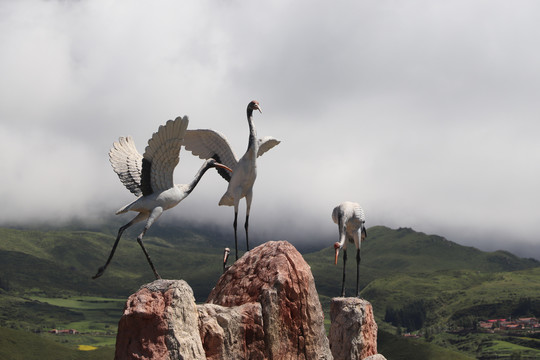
(276,275)
(353,331)
(375,357)
(149,328)
(232,332)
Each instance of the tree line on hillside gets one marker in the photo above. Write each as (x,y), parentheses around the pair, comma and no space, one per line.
(4,283)
(412,316)
(522,307)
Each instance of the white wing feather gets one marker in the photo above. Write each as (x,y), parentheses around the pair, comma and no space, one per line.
(206,144)
(266,144)
(359,213)
(126,162)
(163,152)
(350,210)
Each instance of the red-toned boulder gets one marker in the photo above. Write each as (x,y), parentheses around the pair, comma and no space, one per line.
(276,275)
(353,332)
(149,327)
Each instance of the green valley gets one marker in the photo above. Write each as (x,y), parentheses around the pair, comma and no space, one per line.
(417,283)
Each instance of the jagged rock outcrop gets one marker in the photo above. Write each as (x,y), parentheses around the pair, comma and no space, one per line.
(276,275)
(353,330)
(160,321)
(264,307)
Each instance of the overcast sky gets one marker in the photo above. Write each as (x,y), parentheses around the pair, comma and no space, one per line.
(424,112)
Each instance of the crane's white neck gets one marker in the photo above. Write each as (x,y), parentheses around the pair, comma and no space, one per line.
(252,144)
(342,238)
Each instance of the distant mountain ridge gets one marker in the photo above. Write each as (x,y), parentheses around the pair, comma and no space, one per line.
(66,259)
(388,252)
(436,253)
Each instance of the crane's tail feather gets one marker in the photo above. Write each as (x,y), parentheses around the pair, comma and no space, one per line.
(227,199)
(125,208)
(122,210)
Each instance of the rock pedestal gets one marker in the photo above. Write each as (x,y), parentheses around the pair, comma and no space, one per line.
(160,321)
(353,330)
(264,307)
(276,276)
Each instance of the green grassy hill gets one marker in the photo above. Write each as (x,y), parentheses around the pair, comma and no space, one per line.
(427,283)
(58,262)
(45,281)
(23,345)
(451,297)
(389,253)
(402,267)
(398,348)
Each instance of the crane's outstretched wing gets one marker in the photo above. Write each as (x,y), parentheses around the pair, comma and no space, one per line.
(266,143)
(127,164)
(207,144)
(162,155)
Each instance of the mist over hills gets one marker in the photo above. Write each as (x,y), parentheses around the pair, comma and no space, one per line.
(308,239)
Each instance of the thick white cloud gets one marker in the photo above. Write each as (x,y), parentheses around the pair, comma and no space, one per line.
(424,112)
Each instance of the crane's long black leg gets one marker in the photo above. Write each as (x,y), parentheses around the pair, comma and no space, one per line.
(235,236)
(343,282)
(139,240)
(101,270)
(154,215)
(246,226)
(249,198)
(357,269)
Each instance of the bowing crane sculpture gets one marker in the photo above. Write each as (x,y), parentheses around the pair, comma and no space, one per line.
(150,177)
(226,253)
(208,144)
(350,219)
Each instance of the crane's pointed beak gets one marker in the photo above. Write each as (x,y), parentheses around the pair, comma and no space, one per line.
(223,167)
(337,254)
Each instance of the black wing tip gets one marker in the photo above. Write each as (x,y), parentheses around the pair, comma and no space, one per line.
(224,173)
(146,184)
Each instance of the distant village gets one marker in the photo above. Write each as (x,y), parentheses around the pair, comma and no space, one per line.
(63,332)
(525,324)
(77,332)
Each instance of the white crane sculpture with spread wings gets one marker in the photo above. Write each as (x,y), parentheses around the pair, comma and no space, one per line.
(208,144)
(150,177)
